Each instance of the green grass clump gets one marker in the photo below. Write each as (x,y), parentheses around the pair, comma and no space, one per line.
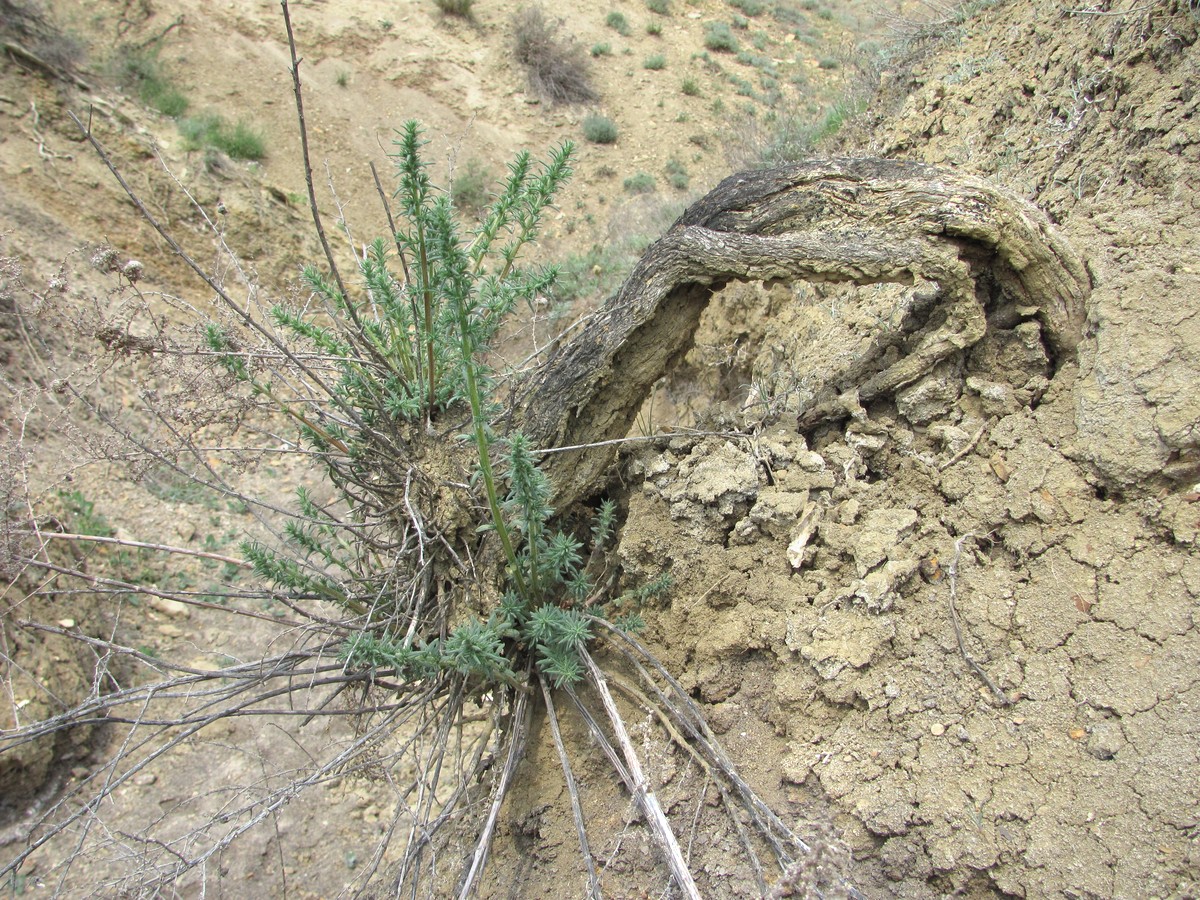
(751,8)
(655,62)
(654,29)
(460,8)
(719,38)
(690,87)
(604,49)
(617,22)
(469,188)
(641,183)
(661,7)
(600,130)
(141,72)
(210,131)
(677,175)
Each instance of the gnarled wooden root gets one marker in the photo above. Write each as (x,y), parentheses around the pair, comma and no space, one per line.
(862,221)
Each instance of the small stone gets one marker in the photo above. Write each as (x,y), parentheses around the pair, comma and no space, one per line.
(145,779)
(937,729)
(170,607)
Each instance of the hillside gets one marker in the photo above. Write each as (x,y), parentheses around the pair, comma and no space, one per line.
(946,628)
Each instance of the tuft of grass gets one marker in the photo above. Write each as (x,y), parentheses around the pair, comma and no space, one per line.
(829,63)
(555,63)
(343,78)
(751,8)
(660,7)
(604,49)
(459,8)
(654,29)
(469,189)
(677,174)
(655,63)
(641,183)
(618,23)
(690,87)
(210,131)
(141,72)
(719,38)
(600,130)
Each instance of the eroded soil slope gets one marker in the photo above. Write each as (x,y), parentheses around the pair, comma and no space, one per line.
(1053,499)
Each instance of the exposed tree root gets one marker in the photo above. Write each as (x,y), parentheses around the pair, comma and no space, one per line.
(861,221)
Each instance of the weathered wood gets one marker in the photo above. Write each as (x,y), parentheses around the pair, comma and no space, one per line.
(862,221)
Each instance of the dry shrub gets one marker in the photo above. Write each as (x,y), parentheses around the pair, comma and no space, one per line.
(556,65)
(31,29)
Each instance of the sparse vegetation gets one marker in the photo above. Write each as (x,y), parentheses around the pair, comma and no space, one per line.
(719,38)
(469,187)
(660,7)
(554,63)
(36,40)
(604,49)
(690,87)
(600,129)
(241,141)
(460,8)
(751,8)
(654,28)
(141,72)
(617,22)
(655,62)
(641,183)
(677,174)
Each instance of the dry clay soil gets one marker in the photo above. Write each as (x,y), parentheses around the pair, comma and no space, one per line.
(1057,500)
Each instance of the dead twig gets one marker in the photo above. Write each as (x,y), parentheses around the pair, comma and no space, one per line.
(572,791)
(660,826)
(951,601)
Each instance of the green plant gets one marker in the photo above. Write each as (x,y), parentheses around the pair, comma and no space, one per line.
(209,130)
(677,174)
(641,183)
(655,62)
(460,8)
(554,63)
(829,62)
(719,38)
(690,87)
(600,129)
(342,78)
(660,7)
(424,587)
(618,23)
(141,71)
(654,28)
(83,516)
(604,49)
(469,187)
(751,8)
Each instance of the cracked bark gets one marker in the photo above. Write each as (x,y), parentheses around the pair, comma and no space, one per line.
(861,221)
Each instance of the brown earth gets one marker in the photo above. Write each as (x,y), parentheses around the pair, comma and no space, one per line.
(1050,499)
